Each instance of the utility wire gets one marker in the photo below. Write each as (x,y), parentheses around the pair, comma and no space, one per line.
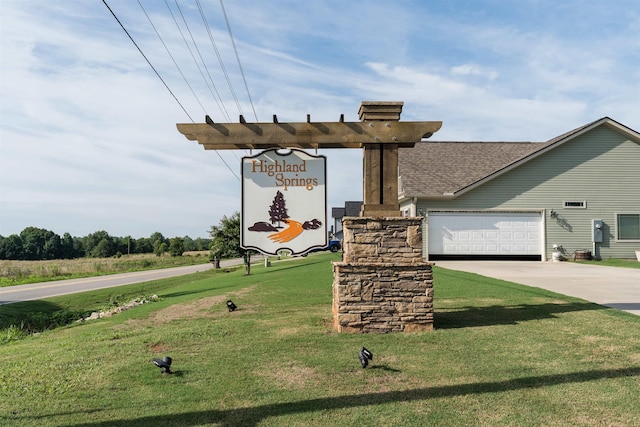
(145,57)
(218,98)
(221,107)
(183,76)
(215,48)
(163,82)
(224,12)
(172,58)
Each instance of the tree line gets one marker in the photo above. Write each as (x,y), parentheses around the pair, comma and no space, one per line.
(36,244)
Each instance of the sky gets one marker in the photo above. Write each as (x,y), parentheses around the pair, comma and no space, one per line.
(88,137)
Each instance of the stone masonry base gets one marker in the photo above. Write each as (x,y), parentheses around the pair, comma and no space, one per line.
(382,284)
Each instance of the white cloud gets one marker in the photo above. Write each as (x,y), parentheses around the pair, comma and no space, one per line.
(473,70)
(87,131)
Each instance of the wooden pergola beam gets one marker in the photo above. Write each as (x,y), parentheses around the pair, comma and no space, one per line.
(306,135)
(380,134)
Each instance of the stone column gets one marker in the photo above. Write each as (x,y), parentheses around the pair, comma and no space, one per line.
(382,284)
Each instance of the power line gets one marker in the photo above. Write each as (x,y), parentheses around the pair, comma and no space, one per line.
(220,104)
(146,59)
(171,56)
(162,80)
(215,48)
(224,12)
(218,98)
(183,76)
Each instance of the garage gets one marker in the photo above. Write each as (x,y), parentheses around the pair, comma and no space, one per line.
(485,235)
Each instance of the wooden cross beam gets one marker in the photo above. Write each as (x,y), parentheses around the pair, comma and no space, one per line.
(306,135)
(379,133)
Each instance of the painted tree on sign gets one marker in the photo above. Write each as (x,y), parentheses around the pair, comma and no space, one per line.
(278,210)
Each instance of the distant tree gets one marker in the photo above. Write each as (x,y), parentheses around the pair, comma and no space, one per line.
(226,238)
(188,243)
(157,237)
(159,247)
(143,246)
(124,245)
(202,244)
(40,244)
(32,243)
(52,248)
(93,239)
(176,246)
(11,247)
(278,211)
(78,247)
(103,249)
(67,247)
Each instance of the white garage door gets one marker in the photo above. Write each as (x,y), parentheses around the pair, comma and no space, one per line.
(485,234)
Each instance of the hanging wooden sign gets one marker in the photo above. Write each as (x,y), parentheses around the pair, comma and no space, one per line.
(284,202)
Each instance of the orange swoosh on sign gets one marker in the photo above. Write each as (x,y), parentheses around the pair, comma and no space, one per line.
(291,232)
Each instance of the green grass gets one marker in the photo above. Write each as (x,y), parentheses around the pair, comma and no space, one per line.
(22,272)
(612,262)
(502,354)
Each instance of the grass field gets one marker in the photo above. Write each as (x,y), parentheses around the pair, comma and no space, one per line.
(21,272)
(501,355)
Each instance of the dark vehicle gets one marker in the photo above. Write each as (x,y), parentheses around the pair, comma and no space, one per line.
(333,246)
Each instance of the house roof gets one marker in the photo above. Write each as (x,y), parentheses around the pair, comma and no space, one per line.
(351,208)
(447,169)
(435,168)
(337,212)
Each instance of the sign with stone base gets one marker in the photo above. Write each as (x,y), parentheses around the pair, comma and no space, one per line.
(382,284)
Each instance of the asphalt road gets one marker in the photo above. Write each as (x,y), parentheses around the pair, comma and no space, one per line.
(34,291)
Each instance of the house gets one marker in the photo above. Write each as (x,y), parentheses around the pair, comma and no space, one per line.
(578,193)
(351,208)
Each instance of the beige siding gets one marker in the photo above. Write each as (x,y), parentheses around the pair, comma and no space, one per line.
(601,168)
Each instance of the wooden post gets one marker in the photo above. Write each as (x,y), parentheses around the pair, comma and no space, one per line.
(380,162)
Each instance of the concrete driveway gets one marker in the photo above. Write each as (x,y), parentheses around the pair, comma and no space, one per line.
(614,287)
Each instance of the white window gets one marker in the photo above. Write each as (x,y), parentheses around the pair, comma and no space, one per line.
(628,226)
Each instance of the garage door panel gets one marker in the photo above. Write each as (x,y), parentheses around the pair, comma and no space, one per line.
(491,248)
(506,235)
(480,233)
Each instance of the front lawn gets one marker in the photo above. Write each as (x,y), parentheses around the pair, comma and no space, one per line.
(501,355)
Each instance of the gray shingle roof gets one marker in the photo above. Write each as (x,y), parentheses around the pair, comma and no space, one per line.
(435,168)
(351,208)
